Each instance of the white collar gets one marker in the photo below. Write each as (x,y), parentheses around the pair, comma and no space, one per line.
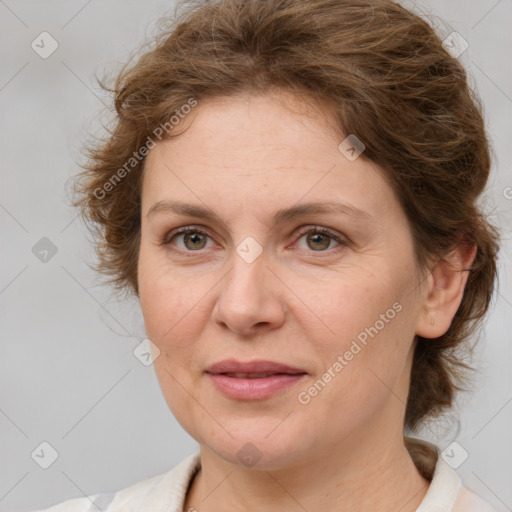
(167,492)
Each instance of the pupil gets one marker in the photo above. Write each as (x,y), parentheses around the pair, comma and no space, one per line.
(194,238)
(318,237)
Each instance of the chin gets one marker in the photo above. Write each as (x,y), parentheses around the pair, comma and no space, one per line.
(260,445)
(257,456)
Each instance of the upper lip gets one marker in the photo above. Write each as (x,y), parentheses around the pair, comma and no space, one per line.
(259,366)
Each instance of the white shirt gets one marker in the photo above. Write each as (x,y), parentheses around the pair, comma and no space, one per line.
(166,493)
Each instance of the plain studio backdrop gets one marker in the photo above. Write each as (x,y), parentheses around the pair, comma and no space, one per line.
(74,396)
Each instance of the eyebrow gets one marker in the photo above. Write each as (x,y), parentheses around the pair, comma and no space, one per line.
(281,216)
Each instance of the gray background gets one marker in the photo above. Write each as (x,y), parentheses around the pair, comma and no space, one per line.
(68,373)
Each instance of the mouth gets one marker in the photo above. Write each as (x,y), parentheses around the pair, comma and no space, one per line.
(257,367)
(252,375)
(256,380)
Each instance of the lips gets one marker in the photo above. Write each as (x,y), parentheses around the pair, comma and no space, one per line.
(253,380)
(252,369)
(250,375)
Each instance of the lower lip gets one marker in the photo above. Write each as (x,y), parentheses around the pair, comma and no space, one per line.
(254,389)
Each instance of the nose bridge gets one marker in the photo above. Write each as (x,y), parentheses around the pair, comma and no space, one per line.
(248,264)
(244,285)
(247,300)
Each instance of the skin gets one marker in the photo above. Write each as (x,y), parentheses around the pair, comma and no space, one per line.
(244,158)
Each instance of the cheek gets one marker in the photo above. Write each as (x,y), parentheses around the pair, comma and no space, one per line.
(339,308)
(175,312)
(166,297)
(361,335)
(172,322)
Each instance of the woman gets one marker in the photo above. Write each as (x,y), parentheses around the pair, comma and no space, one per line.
(290,190)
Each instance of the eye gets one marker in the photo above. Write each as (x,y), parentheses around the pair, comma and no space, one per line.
(193,239)
(319,238)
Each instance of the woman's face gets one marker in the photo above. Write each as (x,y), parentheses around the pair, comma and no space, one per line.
(256,281)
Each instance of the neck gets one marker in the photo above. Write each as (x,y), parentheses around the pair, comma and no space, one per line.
(359,473)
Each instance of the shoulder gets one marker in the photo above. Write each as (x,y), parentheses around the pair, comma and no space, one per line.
(446,491)
(87,504)
(468,501)
(165,489)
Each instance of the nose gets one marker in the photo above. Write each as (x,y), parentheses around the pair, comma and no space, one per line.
(249,301)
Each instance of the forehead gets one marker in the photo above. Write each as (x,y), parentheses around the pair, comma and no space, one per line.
(247,123)
(248,148)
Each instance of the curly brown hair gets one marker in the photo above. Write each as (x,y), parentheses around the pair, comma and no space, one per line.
(387,78)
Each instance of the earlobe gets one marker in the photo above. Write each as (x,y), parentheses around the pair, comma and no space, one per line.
(446,284)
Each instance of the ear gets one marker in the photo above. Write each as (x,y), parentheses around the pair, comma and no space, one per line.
(446,284)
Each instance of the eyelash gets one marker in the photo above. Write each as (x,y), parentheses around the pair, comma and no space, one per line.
(303,231)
